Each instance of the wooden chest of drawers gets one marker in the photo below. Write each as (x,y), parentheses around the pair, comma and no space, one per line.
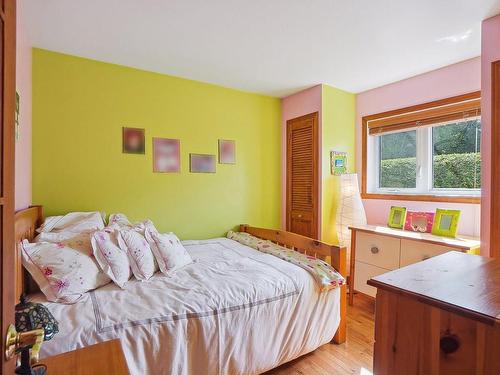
(377,250)
(439,317)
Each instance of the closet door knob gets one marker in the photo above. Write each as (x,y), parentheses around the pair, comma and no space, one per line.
(374,250)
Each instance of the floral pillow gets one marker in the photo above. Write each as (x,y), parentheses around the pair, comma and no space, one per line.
(168,250)
(74,222)
(113,260)
(77,241)
(139,253)
(62,273)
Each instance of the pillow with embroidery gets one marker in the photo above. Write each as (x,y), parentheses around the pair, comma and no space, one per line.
(78,241)
(62,273)
(73,222)
(139,253)
(113,260)
(168,250)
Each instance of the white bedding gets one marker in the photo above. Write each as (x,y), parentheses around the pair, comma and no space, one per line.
(234,311)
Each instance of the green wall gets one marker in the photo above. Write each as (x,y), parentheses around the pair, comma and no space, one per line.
(79,108)
(338,114)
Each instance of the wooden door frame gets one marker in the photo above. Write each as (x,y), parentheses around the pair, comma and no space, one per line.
(316,173)
(494,239)
(7,259)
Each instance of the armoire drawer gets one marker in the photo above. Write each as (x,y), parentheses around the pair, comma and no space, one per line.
(365,272)
(414,251)
(379,251)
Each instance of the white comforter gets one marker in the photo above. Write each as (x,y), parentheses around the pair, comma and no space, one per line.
(234,311)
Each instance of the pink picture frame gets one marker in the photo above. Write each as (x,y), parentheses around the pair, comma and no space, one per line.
(166,155)
(419,221)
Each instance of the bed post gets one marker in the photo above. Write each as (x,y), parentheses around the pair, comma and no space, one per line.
(338,261)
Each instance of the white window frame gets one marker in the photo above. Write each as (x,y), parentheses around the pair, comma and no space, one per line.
(424,172)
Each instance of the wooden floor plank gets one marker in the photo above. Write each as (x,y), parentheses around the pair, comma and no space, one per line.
(355,356)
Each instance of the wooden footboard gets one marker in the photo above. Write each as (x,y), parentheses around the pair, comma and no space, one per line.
(335,255)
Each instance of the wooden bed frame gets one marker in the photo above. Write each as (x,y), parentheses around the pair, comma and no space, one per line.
(335,255)
(28,220)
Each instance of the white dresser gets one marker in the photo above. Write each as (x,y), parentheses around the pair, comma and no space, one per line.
(377,249)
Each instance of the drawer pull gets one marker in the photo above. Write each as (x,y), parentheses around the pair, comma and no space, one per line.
(449,344)
(374,250)
(299,215)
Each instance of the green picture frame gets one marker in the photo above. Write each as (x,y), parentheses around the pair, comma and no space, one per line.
(446,222)
(397,217)
(338,162)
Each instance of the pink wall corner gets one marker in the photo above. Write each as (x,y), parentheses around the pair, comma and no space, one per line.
(490,52)
(296,105)
(23,145)
(449,81)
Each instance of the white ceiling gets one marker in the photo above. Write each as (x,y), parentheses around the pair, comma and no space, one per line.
(273,47)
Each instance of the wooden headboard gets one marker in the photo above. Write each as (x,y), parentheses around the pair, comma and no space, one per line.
(25,224)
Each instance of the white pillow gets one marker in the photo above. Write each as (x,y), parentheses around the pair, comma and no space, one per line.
(139,253)
(168,250)
(73,222)
(113,260)
(77,241)
(62,273)
(119,219)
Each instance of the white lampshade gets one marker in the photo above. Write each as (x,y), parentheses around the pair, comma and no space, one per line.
(350,210)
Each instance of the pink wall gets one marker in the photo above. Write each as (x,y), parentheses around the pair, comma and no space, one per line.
(23,145)
(449,81)
(490,52)
(296,105)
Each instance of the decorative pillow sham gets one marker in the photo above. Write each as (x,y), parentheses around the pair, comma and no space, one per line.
(168,250)
(62,273)
(73,222)
(120,220)
(113,260)
(77,241)
(324,274)
(139,253)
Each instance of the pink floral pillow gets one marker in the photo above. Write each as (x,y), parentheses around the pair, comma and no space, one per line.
(78,241)
(62,273)
(113,260)
(139,253)
(73,222)
(168,250)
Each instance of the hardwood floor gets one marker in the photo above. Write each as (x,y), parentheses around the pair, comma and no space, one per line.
(353,357)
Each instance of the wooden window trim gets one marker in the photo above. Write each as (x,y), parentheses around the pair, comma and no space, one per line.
(399,112)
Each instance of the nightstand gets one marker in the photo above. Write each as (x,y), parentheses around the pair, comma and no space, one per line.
(103,358)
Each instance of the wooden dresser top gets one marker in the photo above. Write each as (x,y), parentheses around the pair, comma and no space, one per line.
(461,242)
(464,284)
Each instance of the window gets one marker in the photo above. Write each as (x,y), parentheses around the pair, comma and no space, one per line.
(432,150)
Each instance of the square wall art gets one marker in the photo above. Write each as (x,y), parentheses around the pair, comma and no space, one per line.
(227,151)
(133,141)
(201,163)
(166,155)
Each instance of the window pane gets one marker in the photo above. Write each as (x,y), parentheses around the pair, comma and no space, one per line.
(398,160)
(456,155)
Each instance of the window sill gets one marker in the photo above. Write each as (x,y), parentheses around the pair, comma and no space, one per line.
(425,198)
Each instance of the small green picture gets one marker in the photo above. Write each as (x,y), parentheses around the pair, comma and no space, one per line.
(397,217)
(338,162)
(446,222)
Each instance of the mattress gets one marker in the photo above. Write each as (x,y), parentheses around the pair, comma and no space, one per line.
(233,311)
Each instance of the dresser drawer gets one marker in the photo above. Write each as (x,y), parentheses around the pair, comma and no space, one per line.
(379,251)
(365,272)
(415,251)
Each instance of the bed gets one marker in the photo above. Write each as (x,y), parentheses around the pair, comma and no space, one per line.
(235,310)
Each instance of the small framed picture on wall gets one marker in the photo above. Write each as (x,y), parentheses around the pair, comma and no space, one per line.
(166,155)
(133,141)
(201,163)
(227,151)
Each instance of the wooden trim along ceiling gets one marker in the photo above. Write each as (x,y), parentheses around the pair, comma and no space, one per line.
(495,164)
(407,116)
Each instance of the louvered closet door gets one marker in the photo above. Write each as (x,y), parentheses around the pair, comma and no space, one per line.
(302,176)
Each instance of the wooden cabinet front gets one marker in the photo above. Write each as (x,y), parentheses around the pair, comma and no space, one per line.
(416,338)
